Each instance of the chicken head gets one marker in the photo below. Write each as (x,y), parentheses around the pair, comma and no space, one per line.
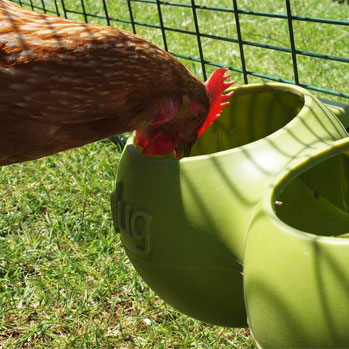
(179,122)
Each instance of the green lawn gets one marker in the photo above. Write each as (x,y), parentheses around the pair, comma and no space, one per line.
(65,280)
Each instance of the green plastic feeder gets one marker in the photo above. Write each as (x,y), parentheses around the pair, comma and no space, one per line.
(296,267)
(184,223)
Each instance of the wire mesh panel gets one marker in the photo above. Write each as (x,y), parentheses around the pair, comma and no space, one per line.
(298,42)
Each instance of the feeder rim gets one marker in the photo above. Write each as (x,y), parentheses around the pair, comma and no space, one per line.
(308,100)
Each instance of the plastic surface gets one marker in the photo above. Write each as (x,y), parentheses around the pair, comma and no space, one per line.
(340,110)
(184,223)
(296,270)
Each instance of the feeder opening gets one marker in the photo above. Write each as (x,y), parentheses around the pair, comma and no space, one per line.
(253,113)
(317,201)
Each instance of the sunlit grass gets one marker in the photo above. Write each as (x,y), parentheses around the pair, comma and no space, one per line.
(65,281)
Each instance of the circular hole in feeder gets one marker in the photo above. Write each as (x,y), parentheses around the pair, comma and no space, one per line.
(253,113)
(317,201)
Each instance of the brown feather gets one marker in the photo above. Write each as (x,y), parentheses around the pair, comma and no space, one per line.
(65,84)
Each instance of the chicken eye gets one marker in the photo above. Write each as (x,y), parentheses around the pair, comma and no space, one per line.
(196,117)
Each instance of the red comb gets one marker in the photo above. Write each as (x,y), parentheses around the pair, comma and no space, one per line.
(215,86)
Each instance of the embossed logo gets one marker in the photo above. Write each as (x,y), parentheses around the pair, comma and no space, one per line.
(134,225)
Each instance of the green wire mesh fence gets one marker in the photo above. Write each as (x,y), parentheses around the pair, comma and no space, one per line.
(232,29)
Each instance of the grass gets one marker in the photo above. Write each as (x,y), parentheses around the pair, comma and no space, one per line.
(65,281)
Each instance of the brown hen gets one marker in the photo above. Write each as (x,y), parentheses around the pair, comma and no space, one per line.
(65,84)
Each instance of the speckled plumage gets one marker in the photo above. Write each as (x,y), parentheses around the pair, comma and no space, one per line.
(65,84)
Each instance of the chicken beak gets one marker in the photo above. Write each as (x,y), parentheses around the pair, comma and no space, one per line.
(184,148)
